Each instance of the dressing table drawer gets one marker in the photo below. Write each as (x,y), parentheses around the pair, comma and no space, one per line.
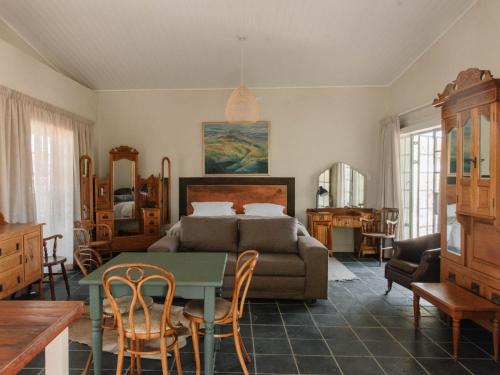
(151,221)
(11,246)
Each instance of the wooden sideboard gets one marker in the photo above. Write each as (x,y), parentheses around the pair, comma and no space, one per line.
(321,222)
(20,257)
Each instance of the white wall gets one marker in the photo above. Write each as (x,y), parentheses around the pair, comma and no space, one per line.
(310,129)
(474,41)
(22,72)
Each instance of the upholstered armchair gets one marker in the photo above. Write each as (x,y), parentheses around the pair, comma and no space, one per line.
(414,260)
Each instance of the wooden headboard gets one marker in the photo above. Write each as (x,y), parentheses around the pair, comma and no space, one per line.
(239,190)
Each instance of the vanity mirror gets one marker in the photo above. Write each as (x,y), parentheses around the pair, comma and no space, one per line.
(123,178)
(341,186)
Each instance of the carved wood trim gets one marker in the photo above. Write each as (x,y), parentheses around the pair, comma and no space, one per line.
(465,79)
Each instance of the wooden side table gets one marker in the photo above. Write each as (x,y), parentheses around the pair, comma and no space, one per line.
(459,304)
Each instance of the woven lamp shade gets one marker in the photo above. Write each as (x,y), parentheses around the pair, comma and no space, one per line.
(242,107)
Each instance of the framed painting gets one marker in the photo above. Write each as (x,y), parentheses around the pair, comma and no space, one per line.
(235,149)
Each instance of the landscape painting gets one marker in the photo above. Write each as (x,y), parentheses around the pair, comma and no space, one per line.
(236,149)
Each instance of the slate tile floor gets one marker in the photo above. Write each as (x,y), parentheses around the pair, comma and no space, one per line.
(356,331)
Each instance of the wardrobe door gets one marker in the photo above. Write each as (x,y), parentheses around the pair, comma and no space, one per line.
(484,171)
(465,160)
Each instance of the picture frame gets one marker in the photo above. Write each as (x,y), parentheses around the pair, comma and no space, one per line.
(238,149)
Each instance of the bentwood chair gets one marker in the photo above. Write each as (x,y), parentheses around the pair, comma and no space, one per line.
(227,313)
(141,325)
(89,260)
(53,260)
(85,237)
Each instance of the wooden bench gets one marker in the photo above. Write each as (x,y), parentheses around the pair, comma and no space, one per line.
(458,303)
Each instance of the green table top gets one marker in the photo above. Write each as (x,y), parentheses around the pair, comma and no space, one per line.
(189,269)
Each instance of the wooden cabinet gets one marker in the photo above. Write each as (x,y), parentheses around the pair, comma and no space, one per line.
(20,256)
(470,218)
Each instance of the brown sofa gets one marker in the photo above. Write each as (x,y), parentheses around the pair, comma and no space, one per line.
(289,266)
(414,260)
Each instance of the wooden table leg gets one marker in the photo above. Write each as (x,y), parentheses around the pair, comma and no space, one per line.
(416,309)
(209,316)
(496,337)
(96,317)
(456,336)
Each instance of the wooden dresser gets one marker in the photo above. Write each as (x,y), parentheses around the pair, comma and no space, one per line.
(470,213)
(20,256)
(321,222)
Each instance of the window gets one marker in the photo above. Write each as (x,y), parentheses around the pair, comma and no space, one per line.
(52,150)
(420,158)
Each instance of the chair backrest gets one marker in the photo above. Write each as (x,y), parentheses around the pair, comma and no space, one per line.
(46,241)
(81,237)
(388,218)
(367,225)
(134,276)
(87,259)
(245,265)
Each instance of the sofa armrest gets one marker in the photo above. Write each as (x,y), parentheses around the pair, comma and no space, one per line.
(429,267)
(315,257)
(167,244)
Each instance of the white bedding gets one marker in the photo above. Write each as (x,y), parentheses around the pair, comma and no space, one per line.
(176,228)
(124,210)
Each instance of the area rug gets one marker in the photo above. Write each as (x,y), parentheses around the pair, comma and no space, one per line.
(338,272)
(81,331)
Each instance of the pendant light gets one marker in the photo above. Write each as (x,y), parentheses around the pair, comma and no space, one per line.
(242,107)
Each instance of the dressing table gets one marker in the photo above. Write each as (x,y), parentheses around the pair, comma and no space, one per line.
(339,204)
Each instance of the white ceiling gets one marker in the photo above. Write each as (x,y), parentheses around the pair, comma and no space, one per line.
(177,44)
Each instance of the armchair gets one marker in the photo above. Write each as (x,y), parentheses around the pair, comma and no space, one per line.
(414,260)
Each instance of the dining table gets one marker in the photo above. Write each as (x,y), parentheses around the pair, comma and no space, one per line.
(197,276)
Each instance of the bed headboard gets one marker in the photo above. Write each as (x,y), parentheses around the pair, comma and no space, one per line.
(239,190)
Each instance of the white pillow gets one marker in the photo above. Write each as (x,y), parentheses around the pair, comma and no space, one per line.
(212,208)
(264,209)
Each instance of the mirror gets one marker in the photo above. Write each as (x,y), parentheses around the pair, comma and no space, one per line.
(123,173)
(467,147)
(340,186)
(484,142)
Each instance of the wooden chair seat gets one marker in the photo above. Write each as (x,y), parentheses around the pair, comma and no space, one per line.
(97,244)
(53,261)
(379,235)
(124,303)
(195,309)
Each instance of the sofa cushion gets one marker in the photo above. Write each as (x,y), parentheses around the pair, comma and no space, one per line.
(403,265)
(213,234)
(280,265)
(269,235)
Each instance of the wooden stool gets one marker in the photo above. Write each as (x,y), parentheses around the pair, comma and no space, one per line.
(458,303)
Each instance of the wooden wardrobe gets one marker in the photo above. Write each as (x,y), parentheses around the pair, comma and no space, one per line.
(470,216)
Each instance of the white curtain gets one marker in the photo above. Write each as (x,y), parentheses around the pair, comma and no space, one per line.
(389,192)
(17,199)
(41,147)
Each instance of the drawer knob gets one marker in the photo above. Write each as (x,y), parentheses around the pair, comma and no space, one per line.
(18,246)
(495,298)
(151,214)
(151,231)
(151,223)
(105,217)
(1,287)
(452,277)
(19,279)
(0,251)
